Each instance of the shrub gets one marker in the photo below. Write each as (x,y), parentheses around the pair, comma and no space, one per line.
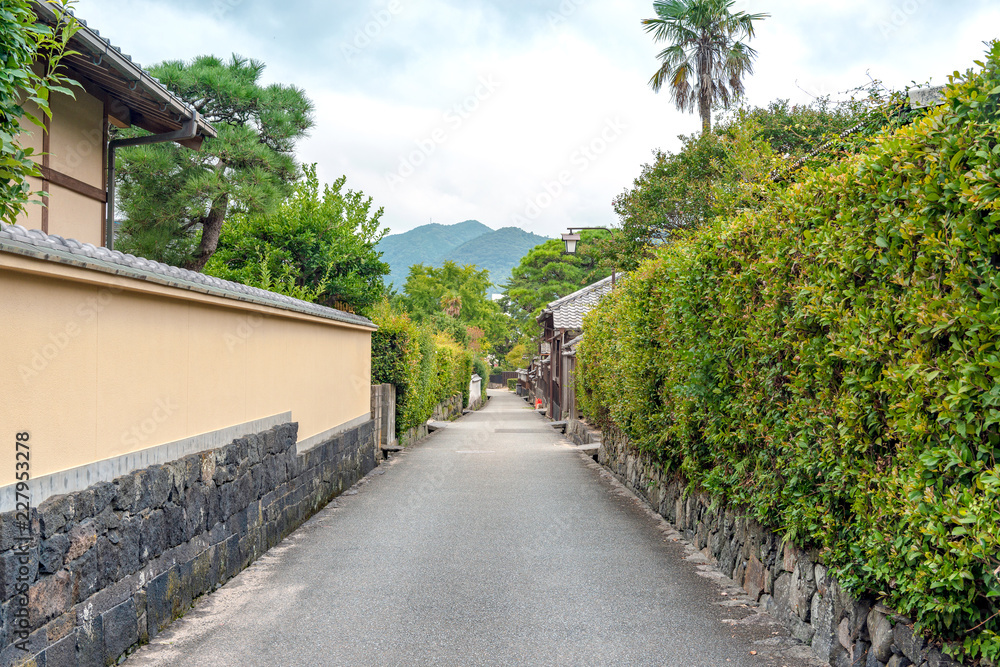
(831,363)
(480,368)
(512,384)
(427,368)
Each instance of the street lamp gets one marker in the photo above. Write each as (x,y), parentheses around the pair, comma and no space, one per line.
(572,238)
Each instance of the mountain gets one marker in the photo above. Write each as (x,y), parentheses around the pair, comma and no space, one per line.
(498,251)
(469,242)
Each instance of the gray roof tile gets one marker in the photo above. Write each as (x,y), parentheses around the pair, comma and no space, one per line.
(17,240)
(568,312)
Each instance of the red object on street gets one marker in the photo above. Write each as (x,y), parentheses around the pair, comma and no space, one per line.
(538,402)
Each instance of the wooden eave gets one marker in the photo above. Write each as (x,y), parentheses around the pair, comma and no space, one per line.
(132,96)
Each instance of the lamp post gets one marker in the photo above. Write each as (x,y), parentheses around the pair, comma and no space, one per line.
(571,238)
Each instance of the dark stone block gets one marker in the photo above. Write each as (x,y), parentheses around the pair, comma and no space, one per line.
(82,538)
(160,485)
(860,654)
(134,492)
(271,441)
(218,533)
(105,494)
(62,653)
(108,562)
(236,451)
(226,501)
(11,564)
(257,476)
(107,521)
(130,545)
(191,467)
(936,659)
(152,535)
(34,656)
(86,575)
(223,473)
(173,518)
(54,513)
(121,630)
(195,511)
(176,482)
(872,660)
(234,562)
(201,574)
(85,504)
(254,449)
(50,597)
(52,552)
(162,601)
(9,531)
(60,628)
(911,645)
(183,597)
(90,643)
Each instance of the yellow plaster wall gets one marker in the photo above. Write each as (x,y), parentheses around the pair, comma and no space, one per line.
(76,140)
(95,366)
(73,216)
(76,146)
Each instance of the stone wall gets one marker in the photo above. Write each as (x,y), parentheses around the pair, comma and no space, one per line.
(582,433)
(443,411)
(792,584)
(449,409)
(109,567)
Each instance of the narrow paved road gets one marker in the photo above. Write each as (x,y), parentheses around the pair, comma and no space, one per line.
(491,543)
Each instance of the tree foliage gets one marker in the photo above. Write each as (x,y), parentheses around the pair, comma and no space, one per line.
(706,60)
(176,200)
(750,157)
(829,361)
(454,299)
(25,91)
(426,367)
(317,246)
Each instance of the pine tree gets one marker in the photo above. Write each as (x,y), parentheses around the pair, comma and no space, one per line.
(174,200)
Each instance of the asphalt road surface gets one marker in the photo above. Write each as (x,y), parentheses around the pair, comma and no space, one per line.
(493,542)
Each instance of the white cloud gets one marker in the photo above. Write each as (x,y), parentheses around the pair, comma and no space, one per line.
(564,70)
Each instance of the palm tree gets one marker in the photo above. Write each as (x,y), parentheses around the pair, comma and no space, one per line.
(706,61)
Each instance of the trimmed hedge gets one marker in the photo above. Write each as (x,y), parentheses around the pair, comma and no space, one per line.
(832,363)
(480,368)
(426,368)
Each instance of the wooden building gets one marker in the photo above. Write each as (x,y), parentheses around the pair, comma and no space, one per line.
(562,323)
(74,150)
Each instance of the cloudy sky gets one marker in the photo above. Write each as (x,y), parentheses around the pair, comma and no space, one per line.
(533,113)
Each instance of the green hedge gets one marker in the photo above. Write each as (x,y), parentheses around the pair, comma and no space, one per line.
(480,368)
(426,368)
(832,364)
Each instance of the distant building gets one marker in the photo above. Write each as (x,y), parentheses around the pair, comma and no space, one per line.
(562,329)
